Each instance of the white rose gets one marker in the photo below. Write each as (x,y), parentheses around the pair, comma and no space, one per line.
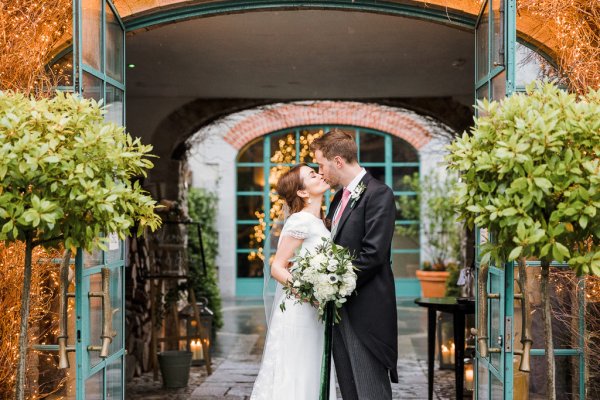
(317,260)
(332,266)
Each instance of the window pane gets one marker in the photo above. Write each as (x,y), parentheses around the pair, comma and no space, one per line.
(528,66)
(114,379)
(115,106)
(372,148)
(245,239)
(404,177)
(62,69)
(377,172)
(499,86)
(91,87)
(481,37)
(405,265)
(307,136)
(253,152)
(95,315)
(91,27)
(94,386)
(250,179)
(249,206)
(406,237)
(498,33)
(283,148)
(114,46)
(403,151)
(407,208)
(248,268)
(116,300)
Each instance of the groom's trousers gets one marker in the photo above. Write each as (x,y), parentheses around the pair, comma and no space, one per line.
(360,374)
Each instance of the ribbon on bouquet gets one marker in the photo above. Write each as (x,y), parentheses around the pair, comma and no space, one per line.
(326,363)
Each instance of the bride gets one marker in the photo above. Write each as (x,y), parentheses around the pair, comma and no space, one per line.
(291,365)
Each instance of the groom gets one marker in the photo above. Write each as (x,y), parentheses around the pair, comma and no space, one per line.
(365,342)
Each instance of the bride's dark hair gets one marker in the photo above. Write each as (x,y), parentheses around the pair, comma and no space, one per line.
(288,186)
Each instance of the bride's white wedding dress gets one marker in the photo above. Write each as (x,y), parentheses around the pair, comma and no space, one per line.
(291,364)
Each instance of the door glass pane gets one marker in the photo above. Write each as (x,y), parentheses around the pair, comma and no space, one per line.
(91,32)
(566,379)
(91,87)
(95,310)
(565,308)
(62,69)
(482,92)
(92,259)
(114,380)
(377,172)
(307,136)
(253,152)
(115,249)
(116,302)
(499,86)
(250,179)
(403,151)
(481,38)
(283,148)
(94,386)
(245,236)
(407,208)
(405,265)
(249,206)
(528,66)
(498,33)
(482,382)
(248,268)
(115,105)
(404,178)
(114,46)
(496,388)
(372,148)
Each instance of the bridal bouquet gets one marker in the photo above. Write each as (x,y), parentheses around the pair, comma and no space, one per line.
(325,275)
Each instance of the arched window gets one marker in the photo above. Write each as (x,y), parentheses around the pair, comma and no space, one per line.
(388,158)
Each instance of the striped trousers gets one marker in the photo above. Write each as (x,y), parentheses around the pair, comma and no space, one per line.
(360,375)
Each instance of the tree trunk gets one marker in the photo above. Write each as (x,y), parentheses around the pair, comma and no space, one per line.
(25,300)
(548,345)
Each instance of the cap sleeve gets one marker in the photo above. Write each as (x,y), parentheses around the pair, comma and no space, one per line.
(296,226)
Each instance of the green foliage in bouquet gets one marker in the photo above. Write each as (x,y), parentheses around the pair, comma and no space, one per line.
(202,207)
(325,275)
(530,172)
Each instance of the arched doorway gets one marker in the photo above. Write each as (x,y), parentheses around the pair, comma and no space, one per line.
(388,158)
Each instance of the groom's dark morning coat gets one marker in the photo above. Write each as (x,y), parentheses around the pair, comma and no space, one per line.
(367,229)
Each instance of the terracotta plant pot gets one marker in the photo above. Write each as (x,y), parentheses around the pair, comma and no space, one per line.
(433,283)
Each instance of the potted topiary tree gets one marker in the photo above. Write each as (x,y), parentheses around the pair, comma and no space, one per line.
(66,177)
(530,174)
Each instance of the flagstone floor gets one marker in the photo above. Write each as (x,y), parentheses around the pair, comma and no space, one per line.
(239,347)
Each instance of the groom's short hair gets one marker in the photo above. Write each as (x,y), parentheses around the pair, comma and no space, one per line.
(337,142)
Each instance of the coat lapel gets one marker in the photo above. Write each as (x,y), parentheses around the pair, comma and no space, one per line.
(365,180)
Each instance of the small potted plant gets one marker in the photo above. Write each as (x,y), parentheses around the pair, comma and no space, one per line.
(438,227)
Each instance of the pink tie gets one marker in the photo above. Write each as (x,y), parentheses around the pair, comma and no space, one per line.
(345,198)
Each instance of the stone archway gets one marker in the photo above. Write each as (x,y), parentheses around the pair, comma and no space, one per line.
(217,146)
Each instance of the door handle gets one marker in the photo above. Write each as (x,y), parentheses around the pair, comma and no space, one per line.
(526,341)
(107,314)
(481,332)
(63,335)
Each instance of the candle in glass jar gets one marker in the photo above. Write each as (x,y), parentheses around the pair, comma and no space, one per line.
(452,349)
(469,377)
(196,347)
(445,355)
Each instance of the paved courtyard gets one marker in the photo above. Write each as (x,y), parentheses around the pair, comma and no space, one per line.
(239,347)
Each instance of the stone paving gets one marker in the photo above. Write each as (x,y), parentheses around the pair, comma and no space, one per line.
(239,349)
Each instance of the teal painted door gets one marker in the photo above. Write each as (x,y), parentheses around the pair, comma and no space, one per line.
(99,73)
(495,41)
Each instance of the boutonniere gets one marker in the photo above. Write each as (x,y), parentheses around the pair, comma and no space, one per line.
(356,193)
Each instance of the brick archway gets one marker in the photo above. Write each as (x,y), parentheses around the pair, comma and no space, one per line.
(398,122)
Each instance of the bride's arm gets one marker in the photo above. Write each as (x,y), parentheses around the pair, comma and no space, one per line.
(286,249)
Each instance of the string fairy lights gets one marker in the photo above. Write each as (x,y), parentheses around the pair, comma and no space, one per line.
(43,376)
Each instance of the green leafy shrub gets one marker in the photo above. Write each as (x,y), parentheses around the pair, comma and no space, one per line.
(202,207)
(530,173)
